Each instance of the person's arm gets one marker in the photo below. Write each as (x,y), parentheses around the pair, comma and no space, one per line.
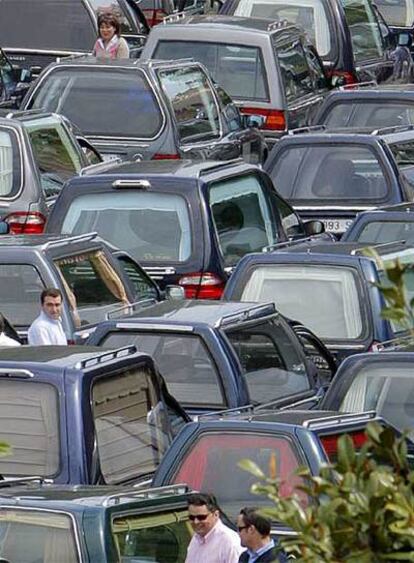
(38,336)
(123,49)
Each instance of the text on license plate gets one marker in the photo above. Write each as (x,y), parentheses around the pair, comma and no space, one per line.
(336,225)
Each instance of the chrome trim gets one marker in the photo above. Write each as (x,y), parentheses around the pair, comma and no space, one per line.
(155,326)
(16,372)
(338,420)
(320,209)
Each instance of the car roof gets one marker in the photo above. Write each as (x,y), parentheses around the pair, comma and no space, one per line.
(221,22)
(27,115)
(88,60)
(367,135)
(62,356)
(35,241)
(398,91)
(339,248)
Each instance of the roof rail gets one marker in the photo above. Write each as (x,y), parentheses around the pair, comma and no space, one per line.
(100,166)
(392,129)
(394,344)
(16,372)
(116,498)
(243,410)
(106,357)
(218,165)
(338,420)
(381,245)
(112,314)
(309,129)
(152,62)
(174,17)
(289,243)
(70,240)
(278,24)
(358,85)
(257,311)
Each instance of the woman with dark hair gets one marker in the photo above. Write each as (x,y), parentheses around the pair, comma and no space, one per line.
(110,45)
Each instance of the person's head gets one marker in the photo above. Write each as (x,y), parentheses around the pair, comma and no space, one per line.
(51,300)
(203,513)
(108,26)
(254,529)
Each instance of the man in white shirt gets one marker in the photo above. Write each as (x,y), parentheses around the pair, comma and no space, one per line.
(6,340)
(47,328)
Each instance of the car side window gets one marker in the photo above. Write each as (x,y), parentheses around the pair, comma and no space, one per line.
(20,289)
(296,75)
(367,42)
(144,288)
(193,103)
(230,111)
(315,67)
(291,223)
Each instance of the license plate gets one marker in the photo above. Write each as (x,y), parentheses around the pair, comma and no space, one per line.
(336,225)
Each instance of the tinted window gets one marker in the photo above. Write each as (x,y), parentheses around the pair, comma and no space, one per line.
(295,71)
(28,536)
(194,106)
(396,12)
(184,362)
(329,174)
(20,289)
(46,24)
(335,309)
(308,14)
(386,231)
(211,465)
(290,220)
(30,424)
(270,361)
(230,111)
(144,288)
(155,226)
(364,28)
(104,101)
(10,175)
(239,69)
(243,216)
(369,114)
(403,153)
(130,425)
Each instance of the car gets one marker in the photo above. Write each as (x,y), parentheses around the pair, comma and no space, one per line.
(156,110)
(267,69)
(382,225)
(371,107)
(187,223)
(91,524)
(216,355)
(379,382)
(92,280)
(332,175)
(330,288)
(38,153)
(60,28)
(399,15)
(351,39)
(156,11)
(14,81)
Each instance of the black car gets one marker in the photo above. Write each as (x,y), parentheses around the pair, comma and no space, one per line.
(186,223)
(14,81)
(150,109)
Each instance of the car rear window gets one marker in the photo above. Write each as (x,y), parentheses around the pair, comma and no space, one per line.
(20,289)
(155,226)
(365,32)
(10,164)
(131,425)
(369,114)
(30,424)
(239,69)
(379,232)
(184,362)
(212,465)
(102,101)
(335,311)
(329,175)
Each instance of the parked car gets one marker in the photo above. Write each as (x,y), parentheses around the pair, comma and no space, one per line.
(349,36)
(82,415)
(153,109)
(331,175)
(14,81)
(370,106)
(38,153)
(329,288)
(91,524)
(186,223)
(267,69)
(156,11)
(376,382)
(35,34)
(399,15)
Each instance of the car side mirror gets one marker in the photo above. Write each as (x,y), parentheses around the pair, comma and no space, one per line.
(4,228)
(314,228)
(174,293)
(404,39)
(251,121)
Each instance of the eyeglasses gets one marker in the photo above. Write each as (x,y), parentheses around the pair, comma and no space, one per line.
(199,517)
(240,528)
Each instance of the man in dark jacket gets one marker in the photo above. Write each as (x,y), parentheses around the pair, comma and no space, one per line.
(254,531)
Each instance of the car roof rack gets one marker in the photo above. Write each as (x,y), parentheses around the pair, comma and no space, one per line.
(289,243)
(244,410)
(280,24)
(308,129)
(16,372)
(174,17)
(116,498)
(255,312)
(358,85)
(392,129)
(338,420)
(113,313)
(379,246)
(106,357)
(69,240)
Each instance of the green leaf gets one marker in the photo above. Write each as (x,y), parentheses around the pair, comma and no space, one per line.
(252,468)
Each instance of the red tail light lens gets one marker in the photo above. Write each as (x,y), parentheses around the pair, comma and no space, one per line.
(26,223)
(275,118)
(330,442)
(348,77)
(161,156)
(154,17)
(202,286)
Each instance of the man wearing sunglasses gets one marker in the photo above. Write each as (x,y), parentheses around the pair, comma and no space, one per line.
(254,530)
(213,542)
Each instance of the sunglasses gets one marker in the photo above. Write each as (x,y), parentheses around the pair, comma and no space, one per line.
(199,517)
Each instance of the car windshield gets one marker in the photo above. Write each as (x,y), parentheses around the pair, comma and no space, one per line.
(47,24)
(239,69)
(102,101)
(270,361)
(329,175)
(54,152)
(335,309)
(155,226)
(365,32)
(184,362)
(387,389)
(10,163)
(396,12)
(92,285)
(379,232)
(20,289)
(369,113)
(163,536)
(311,15)
(244,215)
(30,424)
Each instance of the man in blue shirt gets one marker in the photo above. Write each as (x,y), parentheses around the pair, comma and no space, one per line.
(254,531)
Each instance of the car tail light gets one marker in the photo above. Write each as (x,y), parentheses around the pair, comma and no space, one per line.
(348,77)
(202,286)
(275,119)
(330,442)
(26,223)
(162,156)
(154,17)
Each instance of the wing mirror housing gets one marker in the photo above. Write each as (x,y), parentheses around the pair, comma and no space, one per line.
(174,293)
(314,227)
